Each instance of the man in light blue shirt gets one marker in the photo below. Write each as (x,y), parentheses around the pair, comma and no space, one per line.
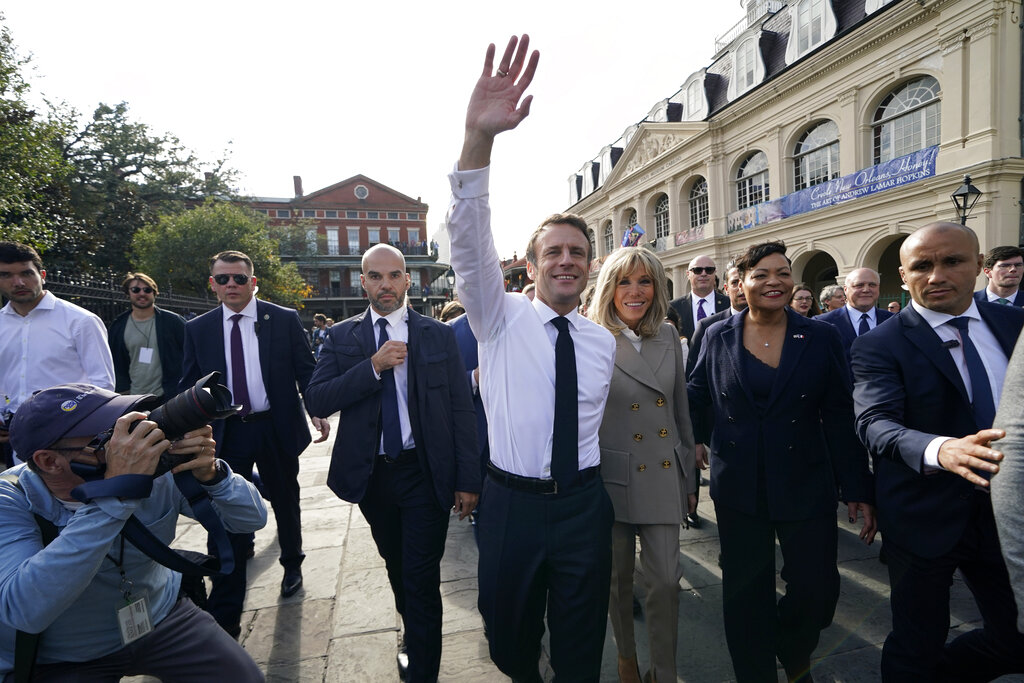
(102,607)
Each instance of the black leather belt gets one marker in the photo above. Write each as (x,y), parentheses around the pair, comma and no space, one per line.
(533,485)
(408,455)
(255,417)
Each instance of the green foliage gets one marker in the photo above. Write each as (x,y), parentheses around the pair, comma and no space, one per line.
(34,201)
(176,248)
(124,177)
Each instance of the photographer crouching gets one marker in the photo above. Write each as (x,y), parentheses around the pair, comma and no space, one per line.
(103,607)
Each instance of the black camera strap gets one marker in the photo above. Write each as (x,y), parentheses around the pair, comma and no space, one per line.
(186,562)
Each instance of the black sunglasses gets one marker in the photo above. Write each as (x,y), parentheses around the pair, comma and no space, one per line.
(222,278)
(136,290)
(698,270)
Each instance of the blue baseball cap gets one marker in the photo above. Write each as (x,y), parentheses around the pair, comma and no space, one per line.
(66,411)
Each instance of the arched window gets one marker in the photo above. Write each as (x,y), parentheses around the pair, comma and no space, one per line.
(752,181)
(609,238)
(694,100)
(593,242)
(661,227)
(816,157)
(907,119)
(810,24)
(745,66)
(699,203)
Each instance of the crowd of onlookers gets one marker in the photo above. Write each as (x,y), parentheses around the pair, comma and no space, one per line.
(565,424)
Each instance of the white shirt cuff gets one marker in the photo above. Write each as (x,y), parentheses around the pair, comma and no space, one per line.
(931,453)
(469,184)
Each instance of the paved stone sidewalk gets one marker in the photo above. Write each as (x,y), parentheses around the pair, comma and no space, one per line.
(342,627)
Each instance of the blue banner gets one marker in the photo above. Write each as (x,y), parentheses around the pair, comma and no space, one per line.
(885,176)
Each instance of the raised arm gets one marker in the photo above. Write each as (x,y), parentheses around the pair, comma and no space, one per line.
(494,106)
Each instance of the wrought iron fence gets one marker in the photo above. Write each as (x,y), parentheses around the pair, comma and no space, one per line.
(106,299)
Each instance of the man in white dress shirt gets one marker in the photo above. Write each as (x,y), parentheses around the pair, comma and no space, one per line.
(44,341)
(545,527)
(859,315)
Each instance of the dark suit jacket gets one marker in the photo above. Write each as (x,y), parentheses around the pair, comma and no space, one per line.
(908,391)
(806,428)
(698,337)
(170,339)
(468,350)
(684,307)
(440,406)
(981,297)
(286,362)
(841,319)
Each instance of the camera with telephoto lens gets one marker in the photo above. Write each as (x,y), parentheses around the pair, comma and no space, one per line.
(193,408)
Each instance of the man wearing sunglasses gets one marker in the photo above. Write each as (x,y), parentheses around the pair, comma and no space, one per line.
(703,299)
(146,342)
(263,351)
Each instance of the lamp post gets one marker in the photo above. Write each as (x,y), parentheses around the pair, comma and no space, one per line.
(964,199)
(449,277)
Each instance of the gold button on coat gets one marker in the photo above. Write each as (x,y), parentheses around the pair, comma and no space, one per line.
(663,432)
(635,406)
(638,437)
(642,468)
(660,402)
(666,464)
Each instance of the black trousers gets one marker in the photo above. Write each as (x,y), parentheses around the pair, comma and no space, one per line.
(916,650)
(550,551)
(409,528)
(243,444)
(757,629)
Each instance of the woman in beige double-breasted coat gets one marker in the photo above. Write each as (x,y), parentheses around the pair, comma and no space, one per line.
(647,453)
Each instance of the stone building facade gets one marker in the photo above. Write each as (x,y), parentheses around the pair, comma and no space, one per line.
(838,126)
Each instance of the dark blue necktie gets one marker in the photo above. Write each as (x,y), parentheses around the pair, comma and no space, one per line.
(239,385)
(391,426)
(864,326)
(565,442)
(984,406)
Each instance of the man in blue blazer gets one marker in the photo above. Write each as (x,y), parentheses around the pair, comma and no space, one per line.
(1004,267)
(926,388)
(859,315)
(263,353)
(409,450)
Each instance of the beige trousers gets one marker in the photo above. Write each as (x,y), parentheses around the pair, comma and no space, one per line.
(659,561)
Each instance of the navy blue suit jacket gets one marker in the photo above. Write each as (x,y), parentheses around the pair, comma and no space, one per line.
(806,428)
(841,319)
(684,307)
(440,406)
(468,349)
(697,339)
(286,362)
(908,391)
(981,297)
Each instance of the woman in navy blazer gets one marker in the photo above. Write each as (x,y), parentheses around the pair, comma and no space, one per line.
(771,393)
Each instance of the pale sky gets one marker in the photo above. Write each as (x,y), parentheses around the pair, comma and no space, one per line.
(330,90)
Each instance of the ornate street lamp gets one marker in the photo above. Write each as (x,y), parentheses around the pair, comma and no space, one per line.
(964,199)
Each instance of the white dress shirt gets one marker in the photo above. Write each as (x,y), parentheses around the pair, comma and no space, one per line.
(517,346)
(855,318)
(994,298)
(398,330)
(709,305)
(988,347)
(251,349)
(56,343)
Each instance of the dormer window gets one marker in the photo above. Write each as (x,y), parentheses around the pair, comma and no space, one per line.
(747,66)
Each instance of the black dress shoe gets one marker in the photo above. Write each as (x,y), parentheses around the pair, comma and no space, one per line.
(291,583)
(403,660)
(692,520)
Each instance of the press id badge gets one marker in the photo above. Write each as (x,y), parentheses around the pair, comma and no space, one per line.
(145,355)
(134,621)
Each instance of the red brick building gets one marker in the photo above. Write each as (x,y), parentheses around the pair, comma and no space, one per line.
(325,234)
